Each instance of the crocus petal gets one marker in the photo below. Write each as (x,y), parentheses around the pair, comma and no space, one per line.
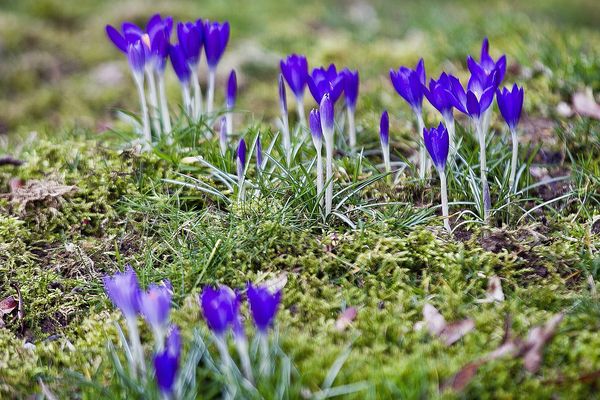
(115,36)
(263,305)
(473,105)
(327,115)
(241,158)
(231,93)
(384,128)
(314,120)
(166,362)
(437,143)
(155,305)
(123,289)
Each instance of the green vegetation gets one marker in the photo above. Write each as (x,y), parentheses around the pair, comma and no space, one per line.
(384,250)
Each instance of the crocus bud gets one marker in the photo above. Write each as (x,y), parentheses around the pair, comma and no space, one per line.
(263,305)
(216,36)
(384,128)
(282,96)
(409,84)
(438,144)
(155,305)
(315,125)
(180,65)
(136,54)
(166,362)
(241,159)
(220,308)
(351,83)
(259,154)
(295,70)
(123,289)
(510,104)
(231,93)
(327,116)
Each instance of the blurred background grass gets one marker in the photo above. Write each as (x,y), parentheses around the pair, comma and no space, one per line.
(58,69)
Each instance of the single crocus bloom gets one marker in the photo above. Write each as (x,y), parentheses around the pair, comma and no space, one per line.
(155,304)
(159,34)
(191,38)
(475,101)
(231,93)
(322,81)
(327,125)
(438,144)
(136,55)
(510,103)
(220,308)
(216,37)
(263,305)
(315,125)
(180,65)
(241,159)
(409,84)
(486,66)
(439,94)
(384,137)
(123,289)
(166,362)
(295,70)
(351,84)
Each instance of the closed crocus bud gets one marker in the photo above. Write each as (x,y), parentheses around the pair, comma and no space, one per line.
(155,304)
(220,308)
(282,96)
(166,362)
(409,84)
(231,93)
(136,54)
(295,70)
(314,120)
(327,114)
(123,289)
(241,159)
(191,38)
(384,128)
(263,305)
(216,36)
(351,83)
(437,144)
(180,65)
(510,104)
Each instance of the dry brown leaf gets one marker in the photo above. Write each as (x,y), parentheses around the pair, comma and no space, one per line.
(494,291)
(35,190)
(462,377)
(453,332)
(585,104)
(435,322)
(7,305)
(537,339)
(345,319)
(437,326)
(277,283)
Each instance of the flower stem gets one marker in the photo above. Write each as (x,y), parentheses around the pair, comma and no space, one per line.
(211,90)
(449,121)
(320,175)
(197,108)
(242,348)
(328,171)
(187,101)
(385,149)
(300,108)
(136,345)
(485,189)
(139,81)
(153,101)
(265,362)
(444,195)
(351,129)
(422,151)
(513,163)
(229,122)
(287,146)
(164,108)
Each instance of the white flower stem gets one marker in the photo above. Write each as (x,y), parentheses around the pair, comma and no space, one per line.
(328,171)
(197,107)
(241,189)
(485,189)
(319,173)
(385,150)
(287,146)
(444,194)
(300,109)
(229,122)
(422,150)
(153,100)
(139,81)
(211,90)
(242,348)
(136,345)
(164,108)
(513,163)
(351,129)
(265,362)
(187,101)
(450,125)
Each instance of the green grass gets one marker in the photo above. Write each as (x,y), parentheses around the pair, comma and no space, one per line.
(382,251)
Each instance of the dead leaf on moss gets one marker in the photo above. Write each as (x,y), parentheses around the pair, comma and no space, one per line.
(345,319)
(537,339)
(585,104)
(437,326)
(494,291)
(40,190)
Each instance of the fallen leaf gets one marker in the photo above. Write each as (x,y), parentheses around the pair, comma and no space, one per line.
(437,326)
(462,378)
(494,291)
(585,104)
(345,319)
(537,339)
(35,190)
(435,322)
(452,333)
(277,283)
(7,305)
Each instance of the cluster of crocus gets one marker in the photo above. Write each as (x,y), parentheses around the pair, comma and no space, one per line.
(447,93)
(221,310)
(154,306)
(148,50)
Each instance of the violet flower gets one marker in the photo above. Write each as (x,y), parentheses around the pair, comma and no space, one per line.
(191,39)
(439,94)
(384,138)
(183,72)
(322,81)
(351,85)
(510,104)
(295,71)
(166,362)
(317,138)
(438,144)
(263,305)
(216,37)
(287,145)
(241,166)
(326,112)
(220,308)
(230,97)
(155,305)
(409,84)
(159,33)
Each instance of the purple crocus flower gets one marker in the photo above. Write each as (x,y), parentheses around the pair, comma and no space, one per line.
(322,81)
(166,362)
(216,36)
(282,96)
(314,121)
(220,307)
(440,95)
(263,305)
(409,84)
(155,304)
(438,144)
(327,114)
(159,35)
(241,159)
(510,104)
(136,55)
(123,289)
(474,102)
(351,84)
(231,92)
(295,71)
(180,64)
(191,38)
(384,129)
(129,34)
(483,70)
